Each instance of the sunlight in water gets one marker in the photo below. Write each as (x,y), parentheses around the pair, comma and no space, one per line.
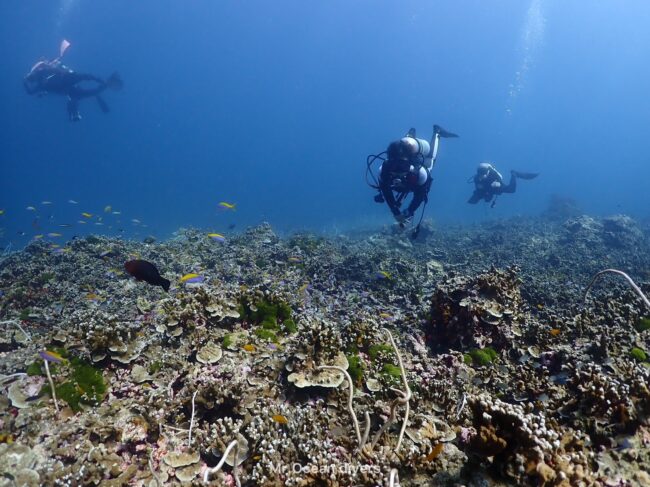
(64,10)
(532,38)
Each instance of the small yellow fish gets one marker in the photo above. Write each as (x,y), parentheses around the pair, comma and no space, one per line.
(278,418)
(540,306)
(294,259)
(249,348)
(383,275)
(92,297)
(303,288)
(217,237)
(51,356)
(108,209)
(87,215)
(385,316)
(187,277)
(54,234)
(555,331)
(38,237)
(227,206)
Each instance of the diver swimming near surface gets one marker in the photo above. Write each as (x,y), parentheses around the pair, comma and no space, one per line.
(53,77)
(406,168)
(488,183)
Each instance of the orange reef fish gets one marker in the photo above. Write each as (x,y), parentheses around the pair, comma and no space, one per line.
(147,272)
(555,331)
(278,418)
(434,452)
(249,348)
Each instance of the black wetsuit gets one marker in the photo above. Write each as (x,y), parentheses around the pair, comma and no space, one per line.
(484,189)
(61,80)
(396,176)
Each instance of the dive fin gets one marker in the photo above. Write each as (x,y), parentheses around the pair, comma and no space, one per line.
(411,133)
(65,44)
(102,104)
(114,82)
(442,132)
(525,175)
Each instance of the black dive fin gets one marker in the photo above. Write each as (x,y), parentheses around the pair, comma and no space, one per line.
(114,82)
(525,175)
(102,104)
(411,133)
(442,132)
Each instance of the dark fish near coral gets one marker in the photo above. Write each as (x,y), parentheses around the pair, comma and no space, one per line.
(147,272)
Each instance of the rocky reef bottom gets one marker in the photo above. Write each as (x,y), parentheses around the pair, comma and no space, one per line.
(482,355)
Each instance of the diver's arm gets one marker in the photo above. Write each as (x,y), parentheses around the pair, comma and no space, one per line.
(389,197)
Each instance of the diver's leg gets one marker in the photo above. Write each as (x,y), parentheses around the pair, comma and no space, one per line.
(418,197)
(511,187)
(430,158)
(102,104)
(475,198)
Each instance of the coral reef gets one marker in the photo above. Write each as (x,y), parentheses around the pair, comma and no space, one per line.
(277,369)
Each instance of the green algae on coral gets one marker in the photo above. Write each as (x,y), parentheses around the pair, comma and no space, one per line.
(155,367)
(35,368)
(290,326)
(228,340)
(638,354)
(355,368)
(643,324)
(480,356)
(375,350)
(84,385)
(391,371)
(265,334)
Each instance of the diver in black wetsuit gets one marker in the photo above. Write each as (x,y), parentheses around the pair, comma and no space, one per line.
(407,169)
(53,77)
(488,183)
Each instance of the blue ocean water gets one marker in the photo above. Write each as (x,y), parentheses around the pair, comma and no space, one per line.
(274,106)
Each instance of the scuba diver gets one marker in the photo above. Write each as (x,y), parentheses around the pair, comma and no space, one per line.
(488,183)
(54,77)
(406,168)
